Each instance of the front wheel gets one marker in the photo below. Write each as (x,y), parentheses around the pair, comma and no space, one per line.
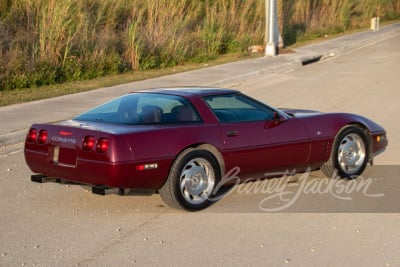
(350,154)
(191,180)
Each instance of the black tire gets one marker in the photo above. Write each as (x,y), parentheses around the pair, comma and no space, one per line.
(191,180)
(349,155)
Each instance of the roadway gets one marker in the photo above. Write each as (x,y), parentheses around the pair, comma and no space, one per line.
(59,225)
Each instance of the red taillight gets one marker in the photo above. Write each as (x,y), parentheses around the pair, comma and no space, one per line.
(42,137)
(140,168)
(32,135)
(102,145)
(88,143)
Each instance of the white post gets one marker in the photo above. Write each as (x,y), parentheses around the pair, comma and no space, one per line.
(375,24)
(270,13)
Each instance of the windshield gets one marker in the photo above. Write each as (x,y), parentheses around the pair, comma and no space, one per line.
(143,108)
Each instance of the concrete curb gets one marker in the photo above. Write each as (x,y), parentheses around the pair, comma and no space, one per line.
(296,63)
(12,138)
(360,44)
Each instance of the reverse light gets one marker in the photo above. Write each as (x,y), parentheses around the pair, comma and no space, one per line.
(42,138)
(32,135)
(102,145)
(88,143)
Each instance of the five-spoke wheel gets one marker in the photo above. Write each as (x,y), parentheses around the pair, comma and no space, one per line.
(191,181)
(350,154)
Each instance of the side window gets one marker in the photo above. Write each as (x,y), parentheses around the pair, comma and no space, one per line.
(238,108)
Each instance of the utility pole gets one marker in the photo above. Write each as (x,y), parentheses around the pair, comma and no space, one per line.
(271,22)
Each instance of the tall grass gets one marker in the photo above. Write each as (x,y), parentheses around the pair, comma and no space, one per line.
(305,19)
(50,41)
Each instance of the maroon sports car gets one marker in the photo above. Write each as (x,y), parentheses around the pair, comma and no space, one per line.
(181,141)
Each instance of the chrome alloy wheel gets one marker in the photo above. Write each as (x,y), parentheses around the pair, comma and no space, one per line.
(351,153)
(197,180)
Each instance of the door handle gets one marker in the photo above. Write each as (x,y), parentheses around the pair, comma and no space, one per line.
(232,133)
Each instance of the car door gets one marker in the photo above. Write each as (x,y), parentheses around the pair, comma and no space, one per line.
(258,139)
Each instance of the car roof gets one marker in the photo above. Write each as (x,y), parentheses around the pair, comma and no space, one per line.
(188,91)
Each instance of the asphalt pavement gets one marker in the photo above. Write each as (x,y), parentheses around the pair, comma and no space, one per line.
(15,120)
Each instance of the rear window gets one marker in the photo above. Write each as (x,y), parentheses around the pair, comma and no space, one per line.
(143,108)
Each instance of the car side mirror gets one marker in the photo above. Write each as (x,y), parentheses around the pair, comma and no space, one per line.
(276,117)
(275,121)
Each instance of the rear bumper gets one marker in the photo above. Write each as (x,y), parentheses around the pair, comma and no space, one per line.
(99,173)
(98,190)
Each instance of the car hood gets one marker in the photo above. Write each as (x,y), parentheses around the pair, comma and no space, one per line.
(314,119)
(300,112)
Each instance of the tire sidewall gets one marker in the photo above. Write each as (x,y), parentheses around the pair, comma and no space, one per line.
(342,134)
(177,169)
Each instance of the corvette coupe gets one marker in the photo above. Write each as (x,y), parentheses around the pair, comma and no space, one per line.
(180,142)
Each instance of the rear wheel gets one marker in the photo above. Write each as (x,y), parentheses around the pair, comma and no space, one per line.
(191,181)
(350,154)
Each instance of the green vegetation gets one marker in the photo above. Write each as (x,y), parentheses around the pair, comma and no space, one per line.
(51,42)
